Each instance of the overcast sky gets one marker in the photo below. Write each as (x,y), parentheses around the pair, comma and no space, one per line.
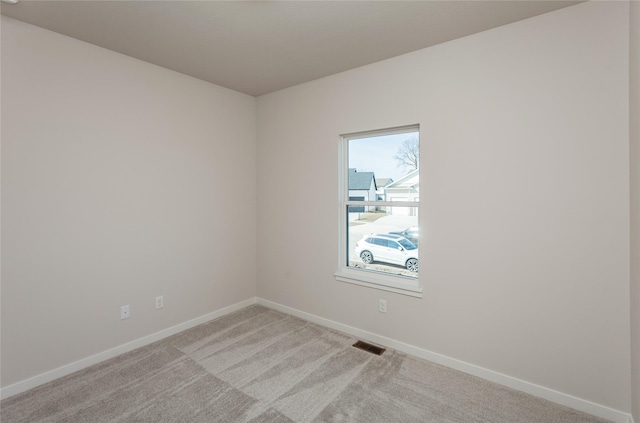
(375,154)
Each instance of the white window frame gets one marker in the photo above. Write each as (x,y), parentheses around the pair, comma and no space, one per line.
(363,277)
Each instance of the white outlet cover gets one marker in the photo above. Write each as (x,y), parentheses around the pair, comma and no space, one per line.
(382,306)
(124,312)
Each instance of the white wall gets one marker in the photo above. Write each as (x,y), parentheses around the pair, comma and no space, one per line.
(525,198)
(634,92)
(121,181)
(115,189)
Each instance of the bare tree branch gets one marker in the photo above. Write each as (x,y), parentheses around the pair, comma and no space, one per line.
(408,155)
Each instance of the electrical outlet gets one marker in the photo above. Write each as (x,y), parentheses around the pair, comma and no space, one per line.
(124,312)
(382,306)
(159,302)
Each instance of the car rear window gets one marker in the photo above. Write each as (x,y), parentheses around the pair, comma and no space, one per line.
(380,241)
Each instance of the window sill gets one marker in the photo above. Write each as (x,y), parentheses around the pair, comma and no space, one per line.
(377,281)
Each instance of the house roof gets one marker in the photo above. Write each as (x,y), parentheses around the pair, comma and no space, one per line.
(410,180)
(383,182)
(361,180)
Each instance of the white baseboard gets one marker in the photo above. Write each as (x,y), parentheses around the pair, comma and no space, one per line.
(521,385)
(567,400)
(43,378)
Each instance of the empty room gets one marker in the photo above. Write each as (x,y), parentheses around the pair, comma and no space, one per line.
(213,211)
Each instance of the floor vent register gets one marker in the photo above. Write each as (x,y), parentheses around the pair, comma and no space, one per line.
(365,346)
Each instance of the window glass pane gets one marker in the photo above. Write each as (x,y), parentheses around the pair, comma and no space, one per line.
(384,167)
(374,238)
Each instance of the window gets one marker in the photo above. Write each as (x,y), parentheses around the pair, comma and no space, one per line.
(379,203)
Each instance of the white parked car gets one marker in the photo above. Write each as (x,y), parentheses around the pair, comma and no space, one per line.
(388,248)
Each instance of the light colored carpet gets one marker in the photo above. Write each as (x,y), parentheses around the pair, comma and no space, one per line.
(259,365)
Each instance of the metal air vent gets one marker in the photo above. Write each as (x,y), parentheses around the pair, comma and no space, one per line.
(365,346)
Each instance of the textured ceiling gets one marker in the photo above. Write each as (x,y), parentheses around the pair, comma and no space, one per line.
(260,47)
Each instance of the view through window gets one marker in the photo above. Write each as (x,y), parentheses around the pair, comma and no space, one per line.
(381,201)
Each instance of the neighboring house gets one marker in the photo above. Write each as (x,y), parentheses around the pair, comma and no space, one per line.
(406,188)
(382,183)
(362,187)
